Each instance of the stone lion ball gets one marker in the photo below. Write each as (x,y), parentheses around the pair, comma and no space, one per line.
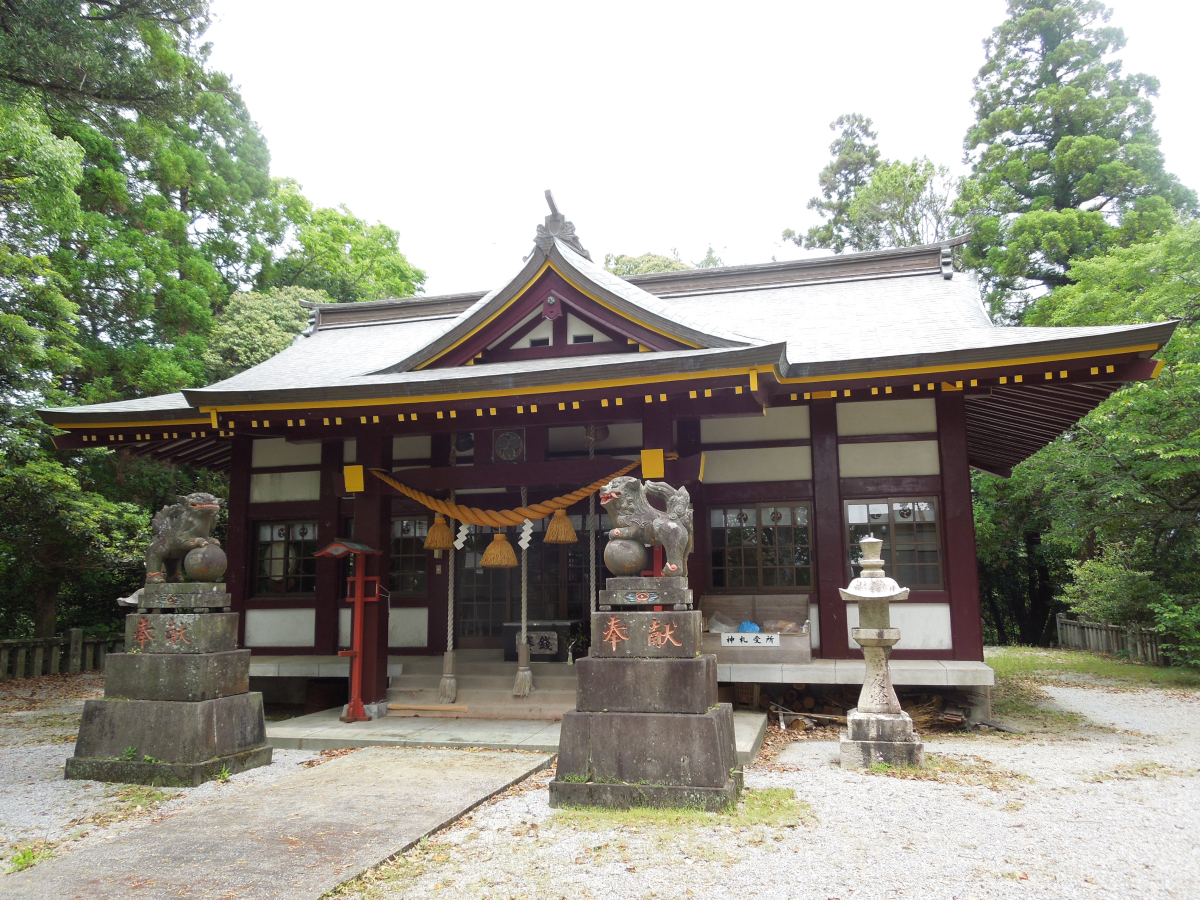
(624,557)
(205,563)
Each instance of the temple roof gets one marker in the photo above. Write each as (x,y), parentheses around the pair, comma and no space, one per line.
(813,322)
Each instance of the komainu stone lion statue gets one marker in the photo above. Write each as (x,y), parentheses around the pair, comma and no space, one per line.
(179,529)
(635,519)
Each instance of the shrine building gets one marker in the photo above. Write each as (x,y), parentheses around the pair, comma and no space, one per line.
(803,404)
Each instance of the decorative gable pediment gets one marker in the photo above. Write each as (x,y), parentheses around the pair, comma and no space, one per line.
(561,304)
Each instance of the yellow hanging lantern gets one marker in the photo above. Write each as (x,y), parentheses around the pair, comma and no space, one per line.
(560,530)
(440,536)
(499,554)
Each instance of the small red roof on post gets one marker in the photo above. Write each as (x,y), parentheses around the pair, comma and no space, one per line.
(345,548)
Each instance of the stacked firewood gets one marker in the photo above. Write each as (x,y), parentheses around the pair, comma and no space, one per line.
(805,706)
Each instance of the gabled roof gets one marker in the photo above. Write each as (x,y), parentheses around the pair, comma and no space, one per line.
(594,281)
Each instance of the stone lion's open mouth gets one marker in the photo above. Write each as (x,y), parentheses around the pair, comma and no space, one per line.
(604,498)
(205,505)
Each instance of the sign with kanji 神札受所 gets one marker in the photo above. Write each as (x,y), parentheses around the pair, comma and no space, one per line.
(749,639)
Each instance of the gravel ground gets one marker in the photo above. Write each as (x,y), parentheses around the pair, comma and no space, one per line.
(1109,810)
(38,721)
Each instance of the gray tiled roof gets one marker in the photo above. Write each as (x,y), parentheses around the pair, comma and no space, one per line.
(866,321)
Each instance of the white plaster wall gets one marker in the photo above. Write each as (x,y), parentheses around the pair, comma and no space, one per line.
(893,458)
(767,464)
(576,326)
(418,446)
(923,626)
(349,450)
(278,452)
(275,487)
(408,627)
(345,623)
(814,624)
(281,627)
(544,330)
(782,423)
(887,417)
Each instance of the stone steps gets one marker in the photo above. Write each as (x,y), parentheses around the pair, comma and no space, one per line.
(486,704)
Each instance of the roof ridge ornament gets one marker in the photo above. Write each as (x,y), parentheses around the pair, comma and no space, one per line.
(557,226)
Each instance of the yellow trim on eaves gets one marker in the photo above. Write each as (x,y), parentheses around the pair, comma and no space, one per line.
(743,371)
(86,425)
(962,367)
(521,293)
(1158,367)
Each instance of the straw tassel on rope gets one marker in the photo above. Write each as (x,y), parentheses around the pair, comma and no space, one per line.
(524,680)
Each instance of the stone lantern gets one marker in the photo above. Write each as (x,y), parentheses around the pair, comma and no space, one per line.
(878,731)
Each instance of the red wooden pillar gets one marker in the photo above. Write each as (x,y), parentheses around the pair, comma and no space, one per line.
(958,528)
(828,530)
(372,526)
(329,568)
(238,535)
(688,442)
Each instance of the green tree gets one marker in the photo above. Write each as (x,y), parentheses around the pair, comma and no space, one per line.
(620,264)
(1114,502)
(855,158)
(906,204)
(58,531)
(38,175)
(1065,158)
(254,327)
(103,56)
(710,261)
(346,257)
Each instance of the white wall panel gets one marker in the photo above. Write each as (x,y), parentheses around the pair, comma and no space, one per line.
(917,416)
(766,464)
(277,487)
(408,627)
(278,452)
(814,624)
(892,458)
(417,446)
(281,627)
(570,438)
(923,626)
(349,450)
(345,623)
(780,424)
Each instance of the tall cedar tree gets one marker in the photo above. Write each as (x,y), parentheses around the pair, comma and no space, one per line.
(855,157)
(1065,159)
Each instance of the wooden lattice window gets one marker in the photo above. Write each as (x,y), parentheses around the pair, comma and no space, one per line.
(761,547)
(908,527)
(285,558)
(410,559)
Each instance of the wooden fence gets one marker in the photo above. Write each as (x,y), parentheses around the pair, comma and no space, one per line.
(73,652)
(1134,641)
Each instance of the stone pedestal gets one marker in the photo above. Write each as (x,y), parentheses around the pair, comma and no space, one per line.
(872,738)
(177,707)
(647,729)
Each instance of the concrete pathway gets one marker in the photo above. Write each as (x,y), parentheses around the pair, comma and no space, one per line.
(325,731)
(293,838)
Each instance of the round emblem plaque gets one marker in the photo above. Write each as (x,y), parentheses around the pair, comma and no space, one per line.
(509,446)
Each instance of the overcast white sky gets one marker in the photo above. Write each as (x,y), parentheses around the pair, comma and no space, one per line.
(657,125)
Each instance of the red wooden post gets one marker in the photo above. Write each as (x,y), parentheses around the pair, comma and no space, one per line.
(828,530)
(372,526)
(958,528)
(238,532)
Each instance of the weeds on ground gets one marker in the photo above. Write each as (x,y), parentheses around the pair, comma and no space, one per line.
(1058,667)
(774,807)
(1135,770)
(27,855)
(126,802)
(970,771)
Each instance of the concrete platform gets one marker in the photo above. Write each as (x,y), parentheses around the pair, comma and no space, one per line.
(932,672)
(324,731)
